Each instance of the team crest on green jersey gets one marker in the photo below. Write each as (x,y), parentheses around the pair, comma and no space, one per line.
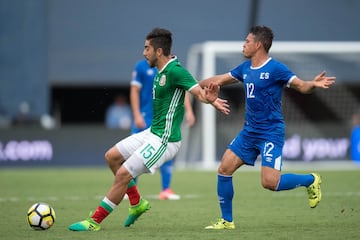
(162,81)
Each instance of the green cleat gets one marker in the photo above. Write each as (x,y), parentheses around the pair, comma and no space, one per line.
(136,211)
(314,191)
(221,224)
(86,225)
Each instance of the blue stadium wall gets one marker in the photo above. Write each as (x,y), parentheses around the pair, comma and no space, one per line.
(69,146)
(53,43)
(86,146)
(90,42)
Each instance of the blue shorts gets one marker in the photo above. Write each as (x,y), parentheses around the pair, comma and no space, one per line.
(248,146)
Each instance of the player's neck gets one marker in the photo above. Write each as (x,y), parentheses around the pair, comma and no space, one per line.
(259,59)
(162,61)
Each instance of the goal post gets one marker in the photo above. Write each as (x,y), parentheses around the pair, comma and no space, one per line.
(202,62)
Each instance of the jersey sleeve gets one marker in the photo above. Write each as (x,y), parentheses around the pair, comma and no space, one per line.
(136,75)
(238,72)
(283,74)
(183,78)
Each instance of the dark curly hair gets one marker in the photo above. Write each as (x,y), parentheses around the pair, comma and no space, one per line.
(263,34)
(161,38)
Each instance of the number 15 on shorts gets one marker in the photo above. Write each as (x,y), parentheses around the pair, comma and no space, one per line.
(148,151)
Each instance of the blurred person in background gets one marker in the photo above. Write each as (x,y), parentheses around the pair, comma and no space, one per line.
(5,119)
(355,137)
(141,100)
(118,114)
(24,115)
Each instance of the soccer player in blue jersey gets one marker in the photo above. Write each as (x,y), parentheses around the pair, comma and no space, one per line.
(263,132)
(141,104)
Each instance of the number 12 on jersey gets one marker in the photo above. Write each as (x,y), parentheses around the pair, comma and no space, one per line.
(250,90)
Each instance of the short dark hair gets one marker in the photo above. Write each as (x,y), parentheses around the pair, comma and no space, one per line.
(263,34)
(161,38)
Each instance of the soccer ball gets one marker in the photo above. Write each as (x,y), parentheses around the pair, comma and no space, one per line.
(41,216)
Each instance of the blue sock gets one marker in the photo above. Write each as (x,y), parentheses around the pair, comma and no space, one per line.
(225,191)
(166,174)
(290,181)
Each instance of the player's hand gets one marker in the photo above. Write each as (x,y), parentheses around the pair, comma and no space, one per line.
(322,81)
(221,105)
(140,122)
(212,92)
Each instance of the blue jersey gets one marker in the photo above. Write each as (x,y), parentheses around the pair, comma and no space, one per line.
(143,76)
(263,93)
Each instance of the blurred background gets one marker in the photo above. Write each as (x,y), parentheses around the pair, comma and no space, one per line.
(64,62)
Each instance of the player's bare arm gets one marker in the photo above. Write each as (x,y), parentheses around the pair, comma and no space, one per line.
(319,81)
(221,80)
(189,113)
(135,106)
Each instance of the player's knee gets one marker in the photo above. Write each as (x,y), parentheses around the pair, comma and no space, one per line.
(113,157)
(122,176)
(225,171)
(108,157)
(269,183)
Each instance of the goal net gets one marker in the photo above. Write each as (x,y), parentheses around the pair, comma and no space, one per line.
(204,145)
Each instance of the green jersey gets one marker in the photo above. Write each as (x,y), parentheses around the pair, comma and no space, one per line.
(170,85)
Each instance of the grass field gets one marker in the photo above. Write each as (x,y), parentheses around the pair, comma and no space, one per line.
(258,213)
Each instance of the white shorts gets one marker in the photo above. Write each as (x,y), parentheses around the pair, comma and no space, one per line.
(144,152)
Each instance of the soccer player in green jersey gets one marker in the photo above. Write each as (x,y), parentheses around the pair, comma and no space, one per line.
(145,151)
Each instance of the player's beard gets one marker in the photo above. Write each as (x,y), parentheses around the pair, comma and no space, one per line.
(246,55)
(152,62)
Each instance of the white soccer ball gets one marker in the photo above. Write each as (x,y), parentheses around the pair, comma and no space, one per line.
(41,216)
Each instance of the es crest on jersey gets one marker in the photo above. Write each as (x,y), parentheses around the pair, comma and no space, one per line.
(162,81)
(150,72)
(264,75)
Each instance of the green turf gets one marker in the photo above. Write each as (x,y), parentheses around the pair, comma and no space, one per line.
(258,213)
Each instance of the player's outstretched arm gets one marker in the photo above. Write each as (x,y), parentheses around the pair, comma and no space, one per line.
(319,81)
(221,80)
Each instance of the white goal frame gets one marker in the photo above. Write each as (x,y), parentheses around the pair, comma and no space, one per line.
(206,52)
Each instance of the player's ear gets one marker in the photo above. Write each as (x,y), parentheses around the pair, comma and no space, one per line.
(258,44)
(159,52)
